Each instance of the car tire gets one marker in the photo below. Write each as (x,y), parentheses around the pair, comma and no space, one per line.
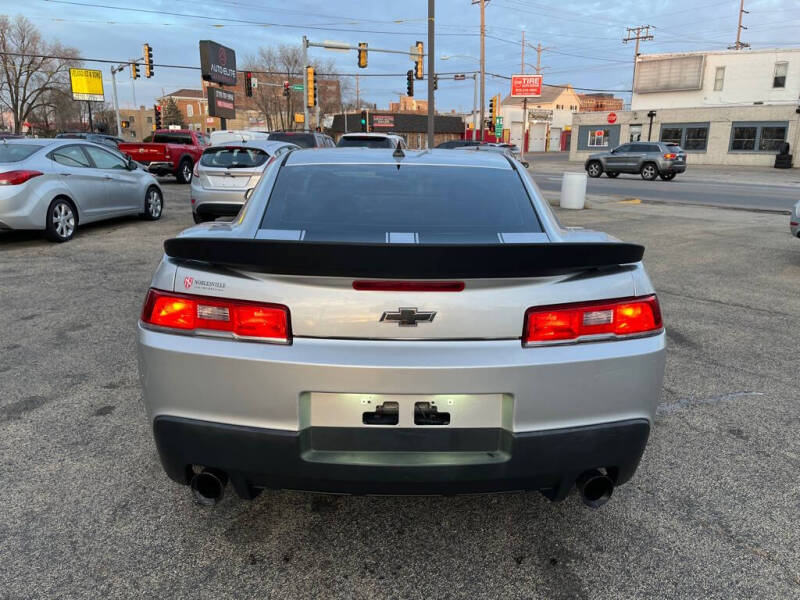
(667,176)
(61,220)
(594,168)
(184,174)
(153,204)
(649,171)
(612,175)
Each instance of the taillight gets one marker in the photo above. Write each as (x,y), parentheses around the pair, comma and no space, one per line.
(590,321)
(202,314)
(196,170)
(670,156)
(409,286)
(18,177)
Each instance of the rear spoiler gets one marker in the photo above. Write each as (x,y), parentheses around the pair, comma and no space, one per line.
(403,261)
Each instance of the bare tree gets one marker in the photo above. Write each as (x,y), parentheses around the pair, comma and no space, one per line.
(27,73)
(275,65)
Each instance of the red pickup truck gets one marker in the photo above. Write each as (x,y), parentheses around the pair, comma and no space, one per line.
(171,152)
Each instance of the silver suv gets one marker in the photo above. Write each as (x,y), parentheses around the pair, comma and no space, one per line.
(649,159)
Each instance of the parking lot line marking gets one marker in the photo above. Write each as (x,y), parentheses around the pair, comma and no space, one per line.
(630,201)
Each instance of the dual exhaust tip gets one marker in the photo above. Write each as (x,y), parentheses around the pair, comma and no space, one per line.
(208,487)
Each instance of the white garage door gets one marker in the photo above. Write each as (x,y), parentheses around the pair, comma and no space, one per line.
(538,132)
(555,139)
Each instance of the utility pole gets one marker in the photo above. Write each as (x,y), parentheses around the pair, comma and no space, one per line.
(116,101)
(739,43)
(431,72)
(640,34)
(524,102)
(483,59)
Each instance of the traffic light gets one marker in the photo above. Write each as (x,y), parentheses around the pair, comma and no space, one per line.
(410,83)
(435,82)
(418,71)
(364,116)
(157,111)
(311,92)
(134,70)
(491,109)
(362,55)
(125,124)
(147,54)
(248,84)
(286,89)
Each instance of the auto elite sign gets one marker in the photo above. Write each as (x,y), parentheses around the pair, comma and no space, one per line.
(221,103)
(217,63)
(526,86)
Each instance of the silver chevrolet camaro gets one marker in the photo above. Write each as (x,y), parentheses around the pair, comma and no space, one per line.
(56,185)
(400,322)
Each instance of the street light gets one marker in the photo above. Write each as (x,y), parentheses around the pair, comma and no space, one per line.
(475,93)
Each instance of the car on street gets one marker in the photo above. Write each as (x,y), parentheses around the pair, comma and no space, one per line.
(304,139)
(98,138)
(387,322)
(170,152)
(648,159)
(57,184)
(225,172)
(794,220)
(371,140)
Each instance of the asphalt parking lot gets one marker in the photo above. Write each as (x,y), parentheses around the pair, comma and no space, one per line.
(711,513)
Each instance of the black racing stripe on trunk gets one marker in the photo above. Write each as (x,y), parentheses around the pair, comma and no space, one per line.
(403,261)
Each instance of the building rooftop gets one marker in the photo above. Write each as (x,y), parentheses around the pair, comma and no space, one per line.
(549,94)
(186,93)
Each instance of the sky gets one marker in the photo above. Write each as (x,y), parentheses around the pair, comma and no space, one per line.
(583,38)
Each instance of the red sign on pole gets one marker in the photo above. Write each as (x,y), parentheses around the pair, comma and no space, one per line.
(612,118)
(526,86)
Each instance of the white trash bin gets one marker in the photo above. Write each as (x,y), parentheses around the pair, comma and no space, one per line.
(573,191)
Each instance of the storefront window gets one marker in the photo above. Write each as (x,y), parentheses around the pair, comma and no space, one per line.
(771,138)
(758,137)
(689,136)
(635,133)
(598,138)
(744,138)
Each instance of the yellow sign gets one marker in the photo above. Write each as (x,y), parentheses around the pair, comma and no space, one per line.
(299,118)
(87,84)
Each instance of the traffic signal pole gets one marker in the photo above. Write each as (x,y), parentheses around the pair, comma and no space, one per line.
(305,83)
(116,102)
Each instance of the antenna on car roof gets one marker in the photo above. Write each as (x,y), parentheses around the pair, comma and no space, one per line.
(398,152)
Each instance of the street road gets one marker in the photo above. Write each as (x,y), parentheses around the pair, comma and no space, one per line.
(87,511)
(687,189)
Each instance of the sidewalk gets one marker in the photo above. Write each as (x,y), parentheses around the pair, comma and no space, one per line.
(558,162)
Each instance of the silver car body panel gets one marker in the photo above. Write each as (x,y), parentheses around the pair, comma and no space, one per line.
(97,193)
(342,357)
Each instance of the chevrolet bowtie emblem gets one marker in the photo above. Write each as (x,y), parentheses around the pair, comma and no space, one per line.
(407,317)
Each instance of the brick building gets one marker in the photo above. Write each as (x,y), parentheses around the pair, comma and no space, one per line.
(140,123)
(599,102)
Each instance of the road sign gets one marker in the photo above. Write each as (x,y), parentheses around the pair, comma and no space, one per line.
(459,77)
(87,84)
(298,87)
(498,127)
(526,86)
(217,63)
(221,103)
(254,83)
(299,118)
(612,118)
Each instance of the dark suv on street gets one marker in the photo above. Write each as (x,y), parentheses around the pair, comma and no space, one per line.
(649,159)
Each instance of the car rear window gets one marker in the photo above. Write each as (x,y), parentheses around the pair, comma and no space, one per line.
(228,157)
(173,138)
(304,140)
(364,141)
(10,153)
(408,203)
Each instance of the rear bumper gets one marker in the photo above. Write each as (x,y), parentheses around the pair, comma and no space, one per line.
(217,209)
(160,168)
(400,461)
(673,168)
